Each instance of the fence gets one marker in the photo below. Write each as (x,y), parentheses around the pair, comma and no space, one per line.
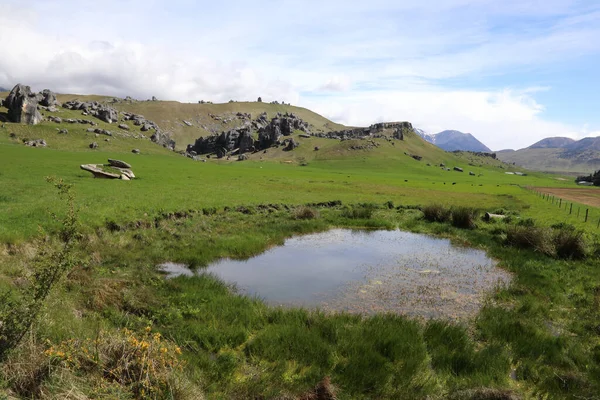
(577,210)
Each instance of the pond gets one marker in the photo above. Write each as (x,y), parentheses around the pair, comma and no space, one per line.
(365,272)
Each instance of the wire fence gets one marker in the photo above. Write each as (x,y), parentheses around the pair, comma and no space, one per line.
(582,212)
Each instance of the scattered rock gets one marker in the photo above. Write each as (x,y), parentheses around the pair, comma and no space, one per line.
(36,143)
(125,127)
(317,148)
(22,106)
(93,145)
(242,157)
(135,151)
(187,123)
(63,131)
(457,169)
(471,173)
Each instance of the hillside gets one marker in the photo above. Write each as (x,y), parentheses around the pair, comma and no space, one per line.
(558,155)
(450,140)
(188,121)
(552,143)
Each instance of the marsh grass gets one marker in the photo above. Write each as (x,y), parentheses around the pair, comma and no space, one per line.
(436,213)
(305,212)
(464,217)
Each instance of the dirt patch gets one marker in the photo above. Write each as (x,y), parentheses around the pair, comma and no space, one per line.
(589,195)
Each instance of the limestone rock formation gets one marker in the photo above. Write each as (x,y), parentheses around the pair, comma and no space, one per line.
(163,139)
(239,140)
(22,106)
(48,98)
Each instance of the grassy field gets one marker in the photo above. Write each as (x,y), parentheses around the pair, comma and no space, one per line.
(537,338)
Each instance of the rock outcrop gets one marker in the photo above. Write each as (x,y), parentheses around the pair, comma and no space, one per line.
(94,108)
(22,105)
(373,131)
(239,140)
(163,139)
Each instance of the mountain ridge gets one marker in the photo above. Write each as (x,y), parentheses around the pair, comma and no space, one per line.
(453,140)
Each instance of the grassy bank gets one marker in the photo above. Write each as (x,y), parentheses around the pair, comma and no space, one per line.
(536,338)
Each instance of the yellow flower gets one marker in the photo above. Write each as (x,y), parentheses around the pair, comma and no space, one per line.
(163,350)
(177,350)
(148,329)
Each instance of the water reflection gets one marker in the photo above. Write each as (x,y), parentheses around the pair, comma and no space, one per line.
(365,272)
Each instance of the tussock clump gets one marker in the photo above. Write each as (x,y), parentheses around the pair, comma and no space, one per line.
(530,237)
(570,243)
(436,213)
(464,217)
(305,212)
(560,241)
(26,370)
(360,211)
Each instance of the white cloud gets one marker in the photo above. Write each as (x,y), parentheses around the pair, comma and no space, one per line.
(500,119)
(357,63)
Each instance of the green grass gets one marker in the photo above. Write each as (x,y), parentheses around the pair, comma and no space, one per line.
(543,327)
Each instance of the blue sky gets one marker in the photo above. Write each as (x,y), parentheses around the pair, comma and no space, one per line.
(510,72)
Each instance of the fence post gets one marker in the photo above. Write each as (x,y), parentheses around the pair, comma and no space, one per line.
(560,204)
(586,214)
(571,210)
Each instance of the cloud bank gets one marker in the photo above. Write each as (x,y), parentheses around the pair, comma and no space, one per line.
(446,64)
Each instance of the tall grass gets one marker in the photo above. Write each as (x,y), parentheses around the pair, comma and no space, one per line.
(436,213)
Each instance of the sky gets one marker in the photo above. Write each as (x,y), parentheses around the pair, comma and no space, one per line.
(510,72)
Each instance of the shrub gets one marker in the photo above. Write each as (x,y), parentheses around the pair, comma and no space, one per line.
(305,212)
(436,213)
(360,211)
(143,364)
(531,237)
(569,243)
(464,217)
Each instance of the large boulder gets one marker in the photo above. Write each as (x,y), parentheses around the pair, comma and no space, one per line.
(22,106)
(48,98)
(107,114)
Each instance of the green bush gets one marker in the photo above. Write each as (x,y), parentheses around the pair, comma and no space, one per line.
(464,217)
(436,213)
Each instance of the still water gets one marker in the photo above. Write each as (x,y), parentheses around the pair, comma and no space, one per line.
(365,272)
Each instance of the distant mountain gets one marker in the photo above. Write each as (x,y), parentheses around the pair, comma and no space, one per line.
(557,154)
(552,143)
(428,138)
(3,89)
(454,140)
